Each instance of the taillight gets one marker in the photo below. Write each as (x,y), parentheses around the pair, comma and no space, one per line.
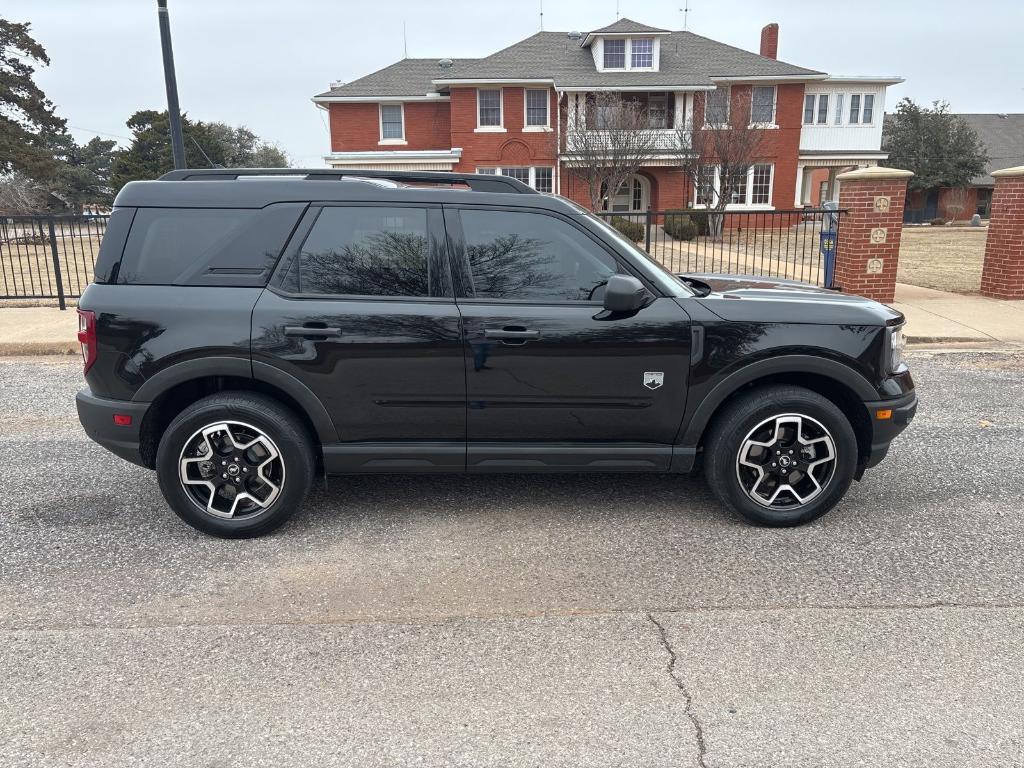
(87,337)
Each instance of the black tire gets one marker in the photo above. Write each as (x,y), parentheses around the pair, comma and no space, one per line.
(247,413)
(751,411)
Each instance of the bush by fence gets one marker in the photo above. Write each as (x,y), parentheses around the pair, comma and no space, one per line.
(631,229)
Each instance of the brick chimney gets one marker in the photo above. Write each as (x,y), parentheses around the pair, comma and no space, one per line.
(770,41)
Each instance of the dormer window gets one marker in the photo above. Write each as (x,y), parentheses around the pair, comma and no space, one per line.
(641,53)
(625,46)
(626,54)
(614,54)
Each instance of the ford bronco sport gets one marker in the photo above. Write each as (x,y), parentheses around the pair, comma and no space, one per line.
(249,330)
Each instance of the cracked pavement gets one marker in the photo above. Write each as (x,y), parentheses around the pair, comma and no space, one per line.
(613,620)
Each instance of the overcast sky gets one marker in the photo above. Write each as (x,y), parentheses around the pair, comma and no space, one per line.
(258,62)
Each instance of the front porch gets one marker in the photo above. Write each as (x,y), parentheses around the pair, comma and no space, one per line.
(653,187)
(816,174)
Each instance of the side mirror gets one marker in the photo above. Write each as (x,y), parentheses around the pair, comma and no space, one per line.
(624,293)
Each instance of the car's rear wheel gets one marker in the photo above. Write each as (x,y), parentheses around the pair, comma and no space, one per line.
(780,455)
(235,464)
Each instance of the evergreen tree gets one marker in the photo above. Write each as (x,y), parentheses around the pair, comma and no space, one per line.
(940,148)
(28,120)
(206,145)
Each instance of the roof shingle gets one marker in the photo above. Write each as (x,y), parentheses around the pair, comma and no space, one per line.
(625,26)
(1003,137)
(687,60)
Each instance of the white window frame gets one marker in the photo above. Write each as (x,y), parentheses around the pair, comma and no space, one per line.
(864,97)
(775,104)
(728,106)
(500,171)
(547,110)
(625,54)
(500,127)
(380,123)
(746,205)
(750,183)
(840,106)
(629,46)
(627,61)
(860,106)
(816,111)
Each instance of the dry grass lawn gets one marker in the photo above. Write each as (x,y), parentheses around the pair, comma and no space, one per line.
(26,259)
(767,259)
(944,258)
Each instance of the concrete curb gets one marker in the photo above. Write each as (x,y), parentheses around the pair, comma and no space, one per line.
(949,340)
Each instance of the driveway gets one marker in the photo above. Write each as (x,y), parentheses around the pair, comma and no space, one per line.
(519,621)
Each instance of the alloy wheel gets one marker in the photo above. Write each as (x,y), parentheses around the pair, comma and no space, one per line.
(786,461)
(231,469)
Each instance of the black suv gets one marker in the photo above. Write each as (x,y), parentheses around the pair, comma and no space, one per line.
(248,330)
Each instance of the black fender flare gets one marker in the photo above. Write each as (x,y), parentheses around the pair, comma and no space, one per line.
(243,368)
(822,366)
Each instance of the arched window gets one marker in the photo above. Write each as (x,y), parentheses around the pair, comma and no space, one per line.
(633,196)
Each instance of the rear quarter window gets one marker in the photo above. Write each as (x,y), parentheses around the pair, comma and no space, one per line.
(167,243)
(112,245)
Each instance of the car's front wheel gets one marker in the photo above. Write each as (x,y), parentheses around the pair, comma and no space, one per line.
(780,455)
(235,464)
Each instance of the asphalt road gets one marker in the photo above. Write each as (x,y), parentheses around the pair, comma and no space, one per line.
(519,621)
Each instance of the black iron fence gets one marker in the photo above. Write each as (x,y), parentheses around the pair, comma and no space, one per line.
(52,256)
(795,244)
(48,256)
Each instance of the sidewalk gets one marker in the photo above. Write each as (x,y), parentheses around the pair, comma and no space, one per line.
(38,331)
(933,317)
(938,317)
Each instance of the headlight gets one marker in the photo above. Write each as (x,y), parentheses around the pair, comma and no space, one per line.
(897,341)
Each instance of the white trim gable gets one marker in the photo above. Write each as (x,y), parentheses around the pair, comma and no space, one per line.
(597,51)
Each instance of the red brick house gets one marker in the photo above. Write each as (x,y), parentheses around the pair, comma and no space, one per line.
(509,113)
(1002,135)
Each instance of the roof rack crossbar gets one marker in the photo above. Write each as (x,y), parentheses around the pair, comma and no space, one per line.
(476,182)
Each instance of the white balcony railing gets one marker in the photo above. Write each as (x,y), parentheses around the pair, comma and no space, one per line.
(666,140)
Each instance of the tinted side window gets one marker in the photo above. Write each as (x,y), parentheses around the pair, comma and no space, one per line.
(109,258)
(530,256)
(164,243)
(365,251)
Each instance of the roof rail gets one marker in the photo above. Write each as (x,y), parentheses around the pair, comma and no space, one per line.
(476,182)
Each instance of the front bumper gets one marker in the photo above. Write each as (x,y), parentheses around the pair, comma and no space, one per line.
(884,431)
(97,417)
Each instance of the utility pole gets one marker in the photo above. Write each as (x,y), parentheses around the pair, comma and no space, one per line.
(177,142)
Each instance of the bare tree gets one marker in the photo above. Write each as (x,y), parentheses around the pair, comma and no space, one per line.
(725,146)
(20,194)
(956,202)
(609,143)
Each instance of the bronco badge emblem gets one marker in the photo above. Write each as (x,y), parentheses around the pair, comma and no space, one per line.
(653,379)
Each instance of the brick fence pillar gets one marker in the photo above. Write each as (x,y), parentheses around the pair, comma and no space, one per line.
(1002,276)
(868,249)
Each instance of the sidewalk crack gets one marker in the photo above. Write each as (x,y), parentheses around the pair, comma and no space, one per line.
(681,685)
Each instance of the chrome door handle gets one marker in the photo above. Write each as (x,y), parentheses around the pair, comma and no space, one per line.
(309,330)
(511,336)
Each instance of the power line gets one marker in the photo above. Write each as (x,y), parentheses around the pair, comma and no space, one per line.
(100,133)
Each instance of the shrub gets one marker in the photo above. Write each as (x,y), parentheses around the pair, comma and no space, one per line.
(937,222)
(698,217)
(629,228)
(680,226)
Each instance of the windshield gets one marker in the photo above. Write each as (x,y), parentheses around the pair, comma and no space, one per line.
(659,270)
